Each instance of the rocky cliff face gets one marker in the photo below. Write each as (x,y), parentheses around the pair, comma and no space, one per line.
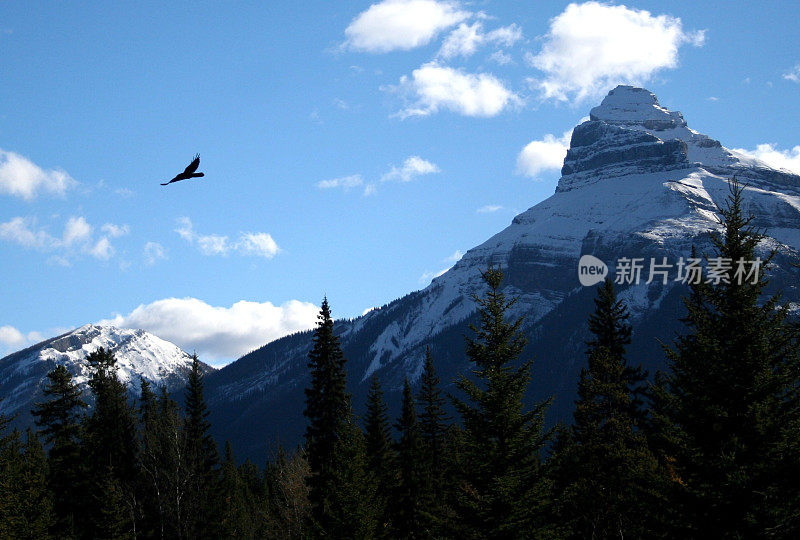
(636,182)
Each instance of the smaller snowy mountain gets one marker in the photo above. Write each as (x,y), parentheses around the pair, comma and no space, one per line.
(138,353)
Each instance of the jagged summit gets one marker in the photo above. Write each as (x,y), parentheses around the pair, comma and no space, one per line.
(637,183)
(631,133)
(139,355)
(629,105)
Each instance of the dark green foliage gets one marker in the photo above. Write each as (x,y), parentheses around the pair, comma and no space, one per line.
(58,418)
(716,456)
(433,420)
(239,503)
(202,499)
(350,507)
(328,413)
(26,509)
(289,510)
(502,492)
(433,426)
(605,473)
(111,450)
(380,452)
(408,521)
(112,518)
(724,413)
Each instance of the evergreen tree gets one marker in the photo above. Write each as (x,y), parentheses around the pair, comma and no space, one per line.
(433,420)
(152,504)
(436,485)
(112,518)
(724,411)
(503,489)
(202,508)
(379,448)
(287,496)
(167,468)
(26,509)
(238,502)
(59,419)
(407,507)
(351,509)
(328,413)
(112,447)
(607,471)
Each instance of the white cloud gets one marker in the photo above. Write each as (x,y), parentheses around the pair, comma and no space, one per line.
(219,333)
(594,46)
(11,337)
(370,189)
(434,87)
(21,177)
(401,24)
(12,340)
(102,249)
(22,231)
(774,157)
(345,182)
(793,74)
(249,243)
(77,238)
(489,208)
(412,167)
(542,155)
(115,231)
(468,38)
(505,36)
(260,244)
(455,257)
(463,41)
(76,230)
(154,252)
(501,57)
(427,277)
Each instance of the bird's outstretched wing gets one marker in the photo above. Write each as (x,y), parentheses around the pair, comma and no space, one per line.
(193,165)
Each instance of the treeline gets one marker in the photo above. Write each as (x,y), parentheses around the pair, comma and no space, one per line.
(710,448)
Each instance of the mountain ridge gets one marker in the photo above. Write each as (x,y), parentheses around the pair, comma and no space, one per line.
(138,353)
(636,182)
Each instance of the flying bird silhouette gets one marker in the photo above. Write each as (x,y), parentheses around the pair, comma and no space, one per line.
(188,172)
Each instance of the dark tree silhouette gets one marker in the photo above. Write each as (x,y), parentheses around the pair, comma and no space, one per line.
(188,172)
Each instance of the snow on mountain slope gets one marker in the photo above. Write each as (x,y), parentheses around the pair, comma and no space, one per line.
(138,354)
(636,182)
(634,171)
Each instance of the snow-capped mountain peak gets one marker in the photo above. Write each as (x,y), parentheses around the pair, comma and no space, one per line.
(632,106)
(139,354)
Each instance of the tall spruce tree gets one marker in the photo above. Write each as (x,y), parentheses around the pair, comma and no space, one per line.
(380,452)
(433,420)
(25,500)
(605,471)
(434,423)
(407,519)
(351,508)
(59,419)
(328,412)
(722,410)
(111,444)
(503,489)
(202,504)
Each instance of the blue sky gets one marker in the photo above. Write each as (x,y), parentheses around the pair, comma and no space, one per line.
(352,150)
